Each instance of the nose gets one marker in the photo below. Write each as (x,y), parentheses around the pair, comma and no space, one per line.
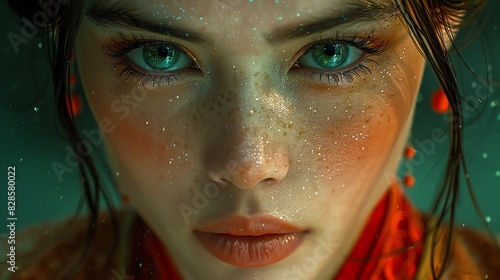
(250,162)
(243,150)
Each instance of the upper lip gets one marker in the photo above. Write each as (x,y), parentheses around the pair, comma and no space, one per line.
(250,226)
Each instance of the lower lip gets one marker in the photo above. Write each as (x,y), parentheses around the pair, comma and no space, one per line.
(250,251)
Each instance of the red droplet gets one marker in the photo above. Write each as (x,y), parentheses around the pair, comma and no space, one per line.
(408,181)
(439,102)
(409,152)
(74,104)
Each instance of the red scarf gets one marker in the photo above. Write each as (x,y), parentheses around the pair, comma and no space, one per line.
(389,247)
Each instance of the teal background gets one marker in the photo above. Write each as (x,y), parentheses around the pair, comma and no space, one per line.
(31,139)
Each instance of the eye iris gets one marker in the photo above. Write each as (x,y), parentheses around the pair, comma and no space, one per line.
(160,57)
(330,55)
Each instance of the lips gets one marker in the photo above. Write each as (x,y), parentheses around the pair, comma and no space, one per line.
(250,241)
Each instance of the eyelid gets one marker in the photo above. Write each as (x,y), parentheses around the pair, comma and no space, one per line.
(370,44)
(120,49)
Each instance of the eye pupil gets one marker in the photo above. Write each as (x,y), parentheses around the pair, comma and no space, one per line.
(163,51)
(161,57)
(331,49)
(330,55)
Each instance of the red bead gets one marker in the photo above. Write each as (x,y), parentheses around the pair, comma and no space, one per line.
(408,181)
(409,152)
(439,102)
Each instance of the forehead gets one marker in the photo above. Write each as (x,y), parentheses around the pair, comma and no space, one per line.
(265,15)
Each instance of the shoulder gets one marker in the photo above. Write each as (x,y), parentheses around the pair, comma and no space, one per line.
(473,255)
(44,251)
(480,251)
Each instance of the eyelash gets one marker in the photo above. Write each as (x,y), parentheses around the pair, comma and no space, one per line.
(370,45)
(118,50)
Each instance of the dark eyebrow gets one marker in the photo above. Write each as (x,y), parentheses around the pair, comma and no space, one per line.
(122,16)
(361,11)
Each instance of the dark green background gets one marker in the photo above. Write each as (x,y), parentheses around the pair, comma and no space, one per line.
(31,141)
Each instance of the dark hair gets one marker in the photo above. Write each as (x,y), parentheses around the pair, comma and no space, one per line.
(430,23)
(60,36)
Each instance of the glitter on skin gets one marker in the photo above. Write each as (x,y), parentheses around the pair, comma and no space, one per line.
(247,113)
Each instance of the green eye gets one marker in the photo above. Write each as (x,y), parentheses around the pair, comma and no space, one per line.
(330,56)
(160,58)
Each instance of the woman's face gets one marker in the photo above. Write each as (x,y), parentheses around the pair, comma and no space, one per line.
(254,137)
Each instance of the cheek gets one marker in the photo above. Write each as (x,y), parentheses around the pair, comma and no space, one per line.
(356,131)
(360,132)
(149,150)
(352,148)
(157,147)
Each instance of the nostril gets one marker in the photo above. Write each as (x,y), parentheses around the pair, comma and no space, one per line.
(224,182)
(218,178)
(269,181)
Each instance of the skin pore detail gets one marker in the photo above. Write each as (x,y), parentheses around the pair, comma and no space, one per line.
(253,115)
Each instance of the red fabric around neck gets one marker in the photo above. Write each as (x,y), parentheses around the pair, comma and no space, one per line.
(391,244)
(389,248)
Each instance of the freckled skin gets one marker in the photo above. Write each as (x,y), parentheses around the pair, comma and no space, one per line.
(276,141)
